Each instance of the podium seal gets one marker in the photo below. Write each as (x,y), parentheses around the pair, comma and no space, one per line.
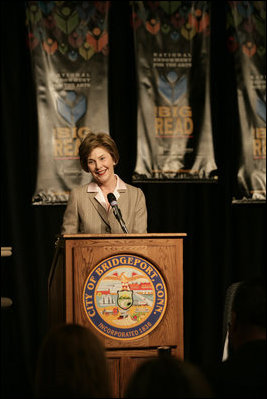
(124,297)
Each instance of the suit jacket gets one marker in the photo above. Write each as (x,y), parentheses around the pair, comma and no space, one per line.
(243,374)
(84,214)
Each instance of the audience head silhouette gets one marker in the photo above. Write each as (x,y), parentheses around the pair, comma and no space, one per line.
(167,377)
(243,373)
(71,364)
(248,316)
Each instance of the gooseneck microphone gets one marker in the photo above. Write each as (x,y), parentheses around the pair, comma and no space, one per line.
(116,210)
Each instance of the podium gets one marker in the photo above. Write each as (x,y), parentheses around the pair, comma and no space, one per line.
(128,288)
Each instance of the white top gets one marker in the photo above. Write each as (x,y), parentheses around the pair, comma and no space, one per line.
(93,187)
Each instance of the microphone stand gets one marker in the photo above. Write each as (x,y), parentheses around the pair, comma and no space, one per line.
(116,210)
(120,220)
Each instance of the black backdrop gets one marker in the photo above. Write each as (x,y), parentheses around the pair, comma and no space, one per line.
(225,242)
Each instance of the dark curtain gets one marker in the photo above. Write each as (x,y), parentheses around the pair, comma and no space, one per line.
(225,243)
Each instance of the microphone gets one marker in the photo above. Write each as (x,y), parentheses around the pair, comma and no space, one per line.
(116,210)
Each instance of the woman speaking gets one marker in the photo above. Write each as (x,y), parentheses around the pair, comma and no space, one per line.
(107,204)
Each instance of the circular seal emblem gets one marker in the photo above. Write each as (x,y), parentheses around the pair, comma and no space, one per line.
(125,297)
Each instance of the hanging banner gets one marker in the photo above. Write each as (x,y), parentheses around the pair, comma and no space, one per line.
(172,45)
(69,50)
(246,27)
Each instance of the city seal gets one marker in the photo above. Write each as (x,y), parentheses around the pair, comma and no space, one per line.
(124,297)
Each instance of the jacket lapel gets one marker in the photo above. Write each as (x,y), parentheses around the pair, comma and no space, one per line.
(122,200)
(99,208)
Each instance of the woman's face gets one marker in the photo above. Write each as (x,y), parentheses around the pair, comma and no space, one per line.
(101,165)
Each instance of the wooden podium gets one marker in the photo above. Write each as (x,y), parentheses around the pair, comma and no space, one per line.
(81,258)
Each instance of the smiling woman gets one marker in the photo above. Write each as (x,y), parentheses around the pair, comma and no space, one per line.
(88,209)
(101,165)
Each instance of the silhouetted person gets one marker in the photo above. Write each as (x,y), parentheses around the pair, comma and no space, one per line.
(71,364)
(243,374)
(167,377)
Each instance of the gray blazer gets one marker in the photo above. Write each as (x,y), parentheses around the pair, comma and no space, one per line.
(84,214)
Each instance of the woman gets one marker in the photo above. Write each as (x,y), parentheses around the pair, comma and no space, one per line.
(88,209)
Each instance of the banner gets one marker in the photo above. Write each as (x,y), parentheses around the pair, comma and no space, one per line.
(246,27)
(69,50)
(172,45)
